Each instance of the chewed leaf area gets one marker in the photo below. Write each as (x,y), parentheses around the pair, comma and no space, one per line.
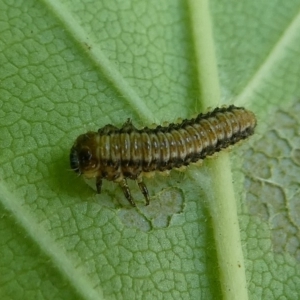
(272,179)
(167,199)
(158,214)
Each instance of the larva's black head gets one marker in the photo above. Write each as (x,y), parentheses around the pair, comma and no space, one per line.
(83,156)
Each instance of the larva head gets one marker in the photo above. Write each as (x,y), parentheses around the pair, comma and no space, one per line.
(83,157)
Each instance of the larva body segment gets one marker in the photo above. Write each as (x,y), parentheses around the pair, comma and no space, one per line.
(116,154)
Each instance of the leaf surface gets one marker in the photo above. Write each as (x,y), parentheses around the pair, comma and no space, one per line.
(72,66)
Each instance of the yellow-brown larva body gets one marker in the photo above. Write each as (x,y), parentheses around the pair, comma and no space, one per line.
(116,154)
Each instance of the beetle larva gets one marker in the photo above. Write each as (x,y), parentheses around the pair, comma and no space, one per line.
(116,154)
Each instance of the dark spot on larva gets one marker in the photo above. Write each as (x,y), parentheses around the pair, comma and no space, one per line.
(116,154)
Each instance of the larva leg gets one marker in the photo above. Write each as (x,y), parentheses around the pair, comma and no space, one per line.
(98,184)
(128,126)
(126,191)
(127,123)
(143,189)
(107,129)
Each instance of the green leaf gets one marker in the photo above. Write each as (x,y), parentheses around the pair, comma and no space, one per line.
(69,67)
